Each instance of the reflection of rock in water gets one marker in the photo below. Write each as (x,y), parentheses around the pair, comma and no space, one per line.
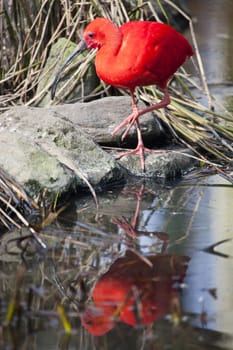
(135,290)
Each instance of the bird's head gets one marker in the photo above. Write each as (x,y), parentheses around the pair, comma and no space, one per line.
(96,34)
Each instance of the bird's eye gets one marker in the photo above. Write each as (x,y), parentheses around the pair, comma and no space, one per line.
(91,35)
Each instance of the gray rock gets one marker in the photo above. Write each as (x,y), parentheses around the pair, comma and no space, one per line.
(53,147)
(32,166)
(170,164)
(100,117)
(41,149)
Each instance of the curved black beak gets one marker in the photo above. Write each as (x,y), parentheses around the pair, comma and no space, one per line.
(82,46)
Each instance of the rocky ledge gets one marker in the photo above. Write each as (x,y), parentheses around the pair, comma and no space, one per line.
(58,147)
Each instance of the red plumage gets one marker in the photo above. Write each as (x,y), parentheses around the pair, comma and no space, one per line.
(138,53)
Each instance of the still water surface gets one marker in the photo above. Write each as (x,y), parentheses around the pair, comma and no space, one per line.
(193,218)
(214,32)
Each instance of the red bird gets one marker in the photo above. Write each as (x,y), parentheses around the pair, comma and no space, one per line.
(139,53)
(134,291)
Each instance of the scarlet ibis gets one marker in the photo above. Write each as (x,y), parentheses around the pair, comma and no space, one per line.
(135,291)
(139,53)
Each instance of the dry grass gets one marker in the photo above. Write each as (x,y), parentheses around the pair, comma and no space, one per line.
(30,27)
(14,204)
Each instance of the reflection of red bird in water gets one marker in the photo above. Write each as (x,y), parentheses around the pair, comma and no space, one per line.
(135,291)
(139,53)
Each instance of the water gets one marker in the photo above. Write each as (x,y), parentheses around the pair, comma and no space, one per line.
(188,218)
(214,29)
(214,32)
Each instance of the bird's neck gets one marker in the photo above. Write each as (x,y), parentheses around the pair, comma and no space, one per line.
(112,40)
(107,53)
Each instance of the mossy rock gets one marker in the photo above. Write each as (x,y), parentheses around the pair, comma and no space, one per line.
(83,88)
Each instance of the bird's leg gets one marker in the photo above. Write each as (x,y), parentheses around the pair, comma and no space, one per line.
(137,113)
(140,149)
(130,229)
(163,103)
(133,118)
(130,118)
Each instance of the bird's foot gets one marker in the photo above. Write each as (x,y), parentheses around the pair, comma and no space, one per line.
(126,226)
(141,150)
(129,120)
(133,117)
